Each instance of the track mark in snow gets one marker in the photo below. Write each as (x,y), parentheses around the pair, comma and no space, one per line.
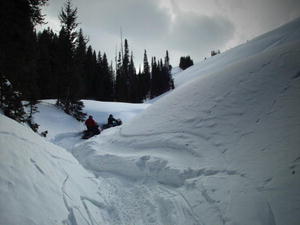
(296,76)
(16,136)
(268,180)
(36,165)
(71,220)
(60,158)
(295,164)
(173,194)
(88,212)
(246,133)
(265,64)
(71,217)
(213,203)
(297,159)
(101,206)
(194,215)
(272,220)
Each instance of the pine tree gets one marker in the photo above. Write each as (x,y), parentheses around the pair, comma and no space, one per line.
(17,43)
(125,73)
(91,75)
(167,60)
(98,77)
(18,55)
(154,78)
(119,79)
(168,80)
(107,79)
(46,79)
(133,82)
(64,65)
(185,62)
(68,17)
(146,77)
(161,77)
(123,79)
(69,84)
(79,61)
(10,101)
(35,11)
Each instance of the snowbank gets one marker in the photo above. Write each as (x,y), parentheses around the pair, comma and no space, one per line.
(41,183)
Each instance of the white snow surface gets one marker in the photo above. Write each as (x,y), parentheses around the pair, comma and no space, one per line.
(220,149)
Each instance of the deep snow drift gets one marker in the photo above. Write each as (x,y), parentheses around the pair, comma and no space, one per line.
(222,148)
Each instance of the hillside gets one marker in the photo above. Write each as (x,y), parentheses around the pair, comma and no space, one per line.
(222,148)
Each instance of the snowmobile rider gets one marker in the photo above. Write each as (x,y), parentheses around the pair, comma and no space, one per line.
(111,120)
(91,124)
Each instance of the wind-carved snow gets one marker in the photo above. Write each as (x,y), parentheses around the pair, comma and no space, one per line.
(221,149)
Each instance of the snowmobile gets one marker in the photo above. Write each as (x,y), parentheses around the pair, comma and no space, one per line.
(115,123)
(90,133)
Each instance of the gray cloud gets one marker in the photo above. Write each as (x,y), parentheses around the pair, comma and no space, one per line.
(197,35)
(137,18)
(190,27)
(252,18)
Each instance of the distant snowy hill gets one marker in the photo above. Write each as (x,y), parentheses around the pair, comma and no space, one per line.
(283,35)
(221,149)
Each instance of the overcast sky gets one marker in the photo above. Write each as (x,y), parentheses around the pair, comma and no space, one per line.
(184,27)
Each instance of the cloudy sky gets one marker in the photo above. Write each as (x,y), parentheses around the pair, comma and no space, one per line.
(184,27)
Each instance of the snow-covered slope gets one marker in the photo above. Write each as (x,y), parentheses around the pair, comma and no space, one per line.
(221,149)
(41,183)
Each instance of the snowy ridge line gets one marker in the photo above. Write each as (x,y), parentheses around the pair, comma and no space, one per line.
(198,135)
(146,167)
(168,142)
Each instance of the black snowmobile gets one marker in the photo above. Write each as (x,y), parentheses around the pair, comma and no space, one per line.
(91,132)
(116,122)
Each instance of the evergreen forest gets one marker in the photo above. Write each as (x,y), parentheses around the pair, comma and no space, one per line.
(62,66)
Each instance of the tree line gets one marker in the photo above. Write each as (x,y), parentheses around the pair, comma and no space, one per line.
(61,66)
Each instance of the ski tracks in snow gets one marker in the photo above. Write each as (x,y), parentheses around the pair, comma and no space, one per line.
(82,212)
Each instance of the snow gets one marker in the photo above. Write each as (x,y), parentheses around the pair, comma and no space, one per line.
(222,148)
(41,183)
(60,125)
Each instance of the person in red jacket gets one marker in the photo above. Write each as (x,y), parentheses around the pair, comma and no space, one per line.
(91,124)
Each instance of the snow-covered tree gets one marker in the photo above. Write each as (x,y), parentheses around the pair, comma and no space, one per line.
(10,101)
